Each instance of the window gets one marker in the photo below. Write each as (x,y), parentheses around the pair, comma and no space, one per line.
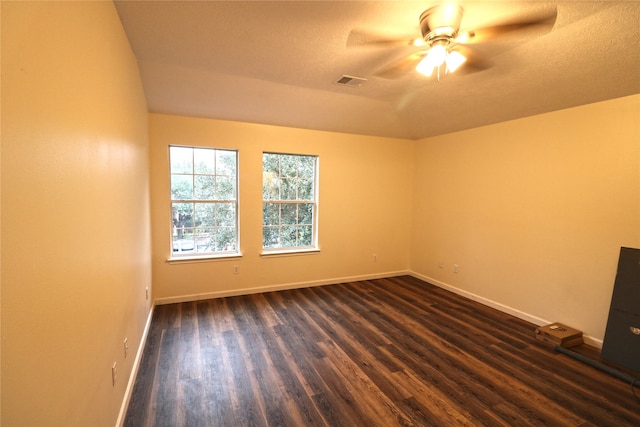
(289,201)
(204,201)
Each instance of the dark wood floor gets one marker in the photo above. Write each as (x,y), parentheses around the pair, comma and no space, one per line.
(381,352)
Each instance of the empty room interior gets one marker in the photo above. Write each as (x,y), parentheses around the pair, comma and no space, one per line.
(443,210)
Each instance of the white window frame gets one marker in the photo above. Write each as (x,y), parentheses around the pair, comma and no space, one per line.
(194,255)
(293,250)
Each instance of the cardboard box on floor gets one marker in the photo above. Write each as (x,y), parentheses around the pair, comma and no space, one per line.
(558,334)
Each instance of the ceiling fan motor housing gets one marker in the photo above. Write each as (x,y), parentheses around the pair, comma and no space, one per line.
(441,22)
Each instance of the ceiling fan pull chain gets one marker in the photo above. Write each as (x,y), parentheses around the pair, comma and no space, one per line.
(444,69)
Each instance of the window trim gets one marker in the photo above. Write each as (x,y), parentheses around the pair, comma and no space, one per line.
(297,250)
(278,252)
(186,259)
(205,256)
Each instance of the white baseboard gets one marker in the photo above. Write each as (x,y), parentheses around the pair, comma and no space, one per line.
(271,288)
(594,342)
(538,321)
(134,371)
(485,301)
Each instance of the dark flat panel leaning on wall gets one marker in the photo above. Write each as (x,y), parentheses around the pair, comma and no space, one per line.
(622,337)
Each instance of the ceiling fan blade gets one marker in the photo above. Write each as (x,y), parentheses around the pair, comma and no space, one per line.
(401,67)
(359,38)
(542,23)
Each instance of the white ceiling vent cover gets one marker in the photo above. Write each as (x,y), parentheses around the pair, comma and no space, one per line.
(351,81)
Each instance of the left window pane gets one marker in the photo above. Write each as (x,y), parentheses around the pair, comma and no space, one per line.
(204,205)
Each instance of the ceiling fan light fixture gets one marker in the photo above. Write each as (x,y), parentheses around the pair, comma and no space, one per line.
(430,63)
(436,55)
(424,68)
(454,61)
(440,25)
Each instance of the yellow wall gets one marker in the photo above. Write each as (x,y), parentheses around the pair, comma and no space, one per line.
(365,200)
(534,211)
(75,213)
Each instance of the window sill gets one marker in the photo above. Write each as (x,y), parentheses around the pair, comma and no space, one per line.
(203,258)
(289,252)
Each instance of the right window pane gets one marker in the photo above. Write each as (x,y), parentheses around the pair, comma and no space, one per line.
(289,205)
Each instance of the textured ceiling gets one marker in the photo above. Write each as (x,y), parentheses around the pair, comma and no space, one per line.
(278,62)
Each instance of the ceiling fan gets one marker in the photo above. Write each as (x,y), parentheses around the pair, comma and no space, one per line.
(443,46)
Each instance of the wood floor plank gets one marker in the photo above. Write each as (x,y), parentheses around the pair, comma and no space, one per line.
(166,381)
(429,403)
(388,352)
(373,401)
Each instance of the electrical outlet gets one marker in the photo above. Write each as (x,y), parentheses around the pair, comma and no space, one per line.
(146,292)
(375,257)
(236,270)
(126,347)
(114,373)
(441,264)
(455,268)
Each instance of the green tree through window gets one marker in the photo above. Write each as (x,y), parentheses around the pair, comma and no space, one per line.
(289,207)
(204,201)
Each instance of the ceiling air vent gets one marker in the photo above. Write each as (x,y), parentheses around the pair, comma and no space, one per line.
(351,81)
